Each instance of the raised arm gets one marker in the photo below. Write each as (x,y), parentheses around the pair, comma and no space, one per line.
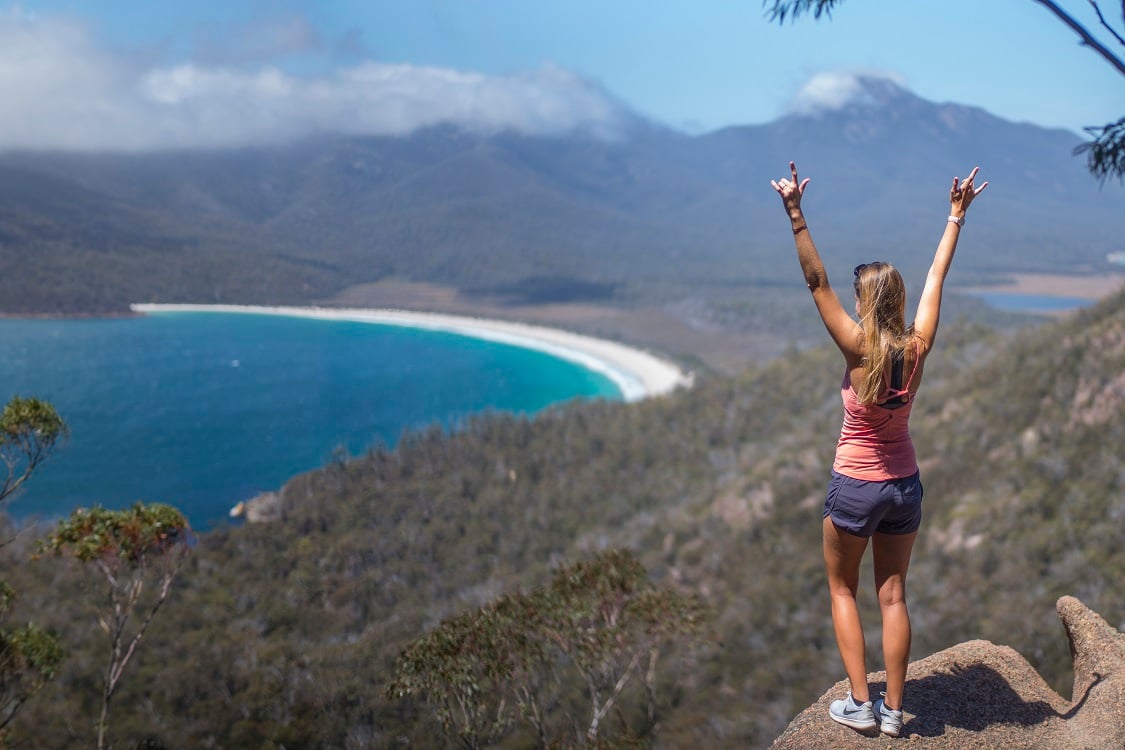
(844,330)
(929,306)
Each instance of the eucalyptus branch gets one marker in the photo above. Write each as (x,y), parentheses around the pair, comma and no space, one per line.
(1105,155)
(109,576)
(11,464)
(1087,38)
(1108,28)
(793,8)
(462,703)
(650,684)
(11,711)
(12,483)
(600,712)
(529,702)
(164,589)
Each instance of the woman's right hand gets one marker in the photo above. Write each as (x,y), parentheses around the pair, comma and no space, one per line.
(963,192)
(791,191)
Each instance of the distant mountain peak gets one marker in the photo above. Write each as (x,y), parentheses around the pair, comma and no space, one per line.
(836,90)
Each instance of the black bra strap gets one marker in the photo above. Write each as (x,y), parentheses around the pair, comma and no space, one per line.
(896,371)
(896,383)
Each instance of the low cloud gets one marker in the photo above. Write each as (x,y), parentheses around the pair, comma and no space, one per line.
(60,90)
(832,90)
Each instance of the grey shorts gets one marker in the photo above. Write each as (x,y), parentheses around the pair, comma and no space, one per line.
(861,508)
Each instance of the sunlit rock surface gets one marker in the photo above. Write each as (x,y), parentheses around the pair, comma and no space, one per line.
(980,695)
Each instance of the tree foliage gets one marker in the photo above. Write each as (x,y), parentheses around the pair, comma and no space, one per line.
(29,658)
(781,10)
(30,429)
(1105,154)
(29,655)
(128,547)
(602,617)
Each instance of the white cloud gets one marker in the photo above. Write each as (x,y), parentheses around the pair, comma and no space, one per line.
(832,90)
(59,89)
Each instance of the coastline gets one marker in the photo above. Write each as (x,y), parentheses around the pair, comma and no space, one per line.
(636,373)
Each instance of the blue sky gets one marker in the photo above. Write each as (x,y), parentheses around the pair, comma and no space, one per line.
(127,74)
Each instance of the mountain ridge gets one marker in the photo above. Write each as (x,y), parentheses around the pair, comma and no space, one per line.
(659,215)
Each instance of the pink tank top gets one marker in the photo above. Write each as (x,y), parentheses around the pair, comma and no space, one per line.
(875,440)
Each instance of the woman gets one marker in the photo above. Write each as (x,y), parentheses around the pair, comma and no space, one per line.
(875,493)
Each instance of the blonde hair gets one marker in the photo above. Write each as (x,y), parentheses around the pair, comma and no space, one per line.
(882,318)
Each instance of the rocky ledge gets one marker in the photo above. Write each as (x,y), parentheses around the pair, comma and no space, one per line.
(980,695)
(259,509)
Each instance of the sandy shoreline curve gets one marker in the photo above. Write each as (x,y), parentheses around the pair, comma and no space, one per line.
(636,373)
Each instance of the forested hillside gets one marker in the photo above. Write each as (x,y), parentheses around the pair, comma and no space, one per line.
(286,634)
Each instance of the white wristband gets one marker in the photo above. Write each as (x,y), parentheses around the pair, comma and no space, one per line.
(959,221)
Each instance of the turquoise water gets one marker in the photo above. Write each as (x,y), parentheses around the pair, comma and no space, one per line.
(1031,303)
(203,410)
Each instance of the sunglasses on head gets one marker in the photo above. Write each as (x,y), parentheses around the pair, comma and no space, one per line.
(859,269)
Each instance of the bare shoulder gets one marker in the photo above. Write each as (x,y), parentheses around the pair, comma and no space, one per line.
(915,361)
(922,347)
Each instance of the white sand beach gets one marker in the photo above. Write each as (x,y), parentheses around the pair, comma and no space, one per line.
(636,373)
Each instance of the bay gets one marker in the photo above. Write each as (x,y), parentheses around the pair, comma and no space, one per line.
(203,410)
(1030,303)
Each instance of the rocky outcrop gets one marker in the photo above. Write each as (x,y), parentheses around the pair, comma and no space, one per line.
(980,695)
(259,509)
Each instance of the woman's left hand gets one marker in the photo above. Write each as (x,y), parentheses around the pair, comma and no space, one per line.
(791,191)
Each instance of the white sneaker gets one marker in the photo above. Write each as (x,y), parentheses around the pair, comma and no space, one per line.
(890,721)
(852,714)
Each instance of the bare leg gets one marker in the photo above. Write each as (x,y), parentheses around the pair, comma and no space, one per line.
(843,553)
(892,558)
